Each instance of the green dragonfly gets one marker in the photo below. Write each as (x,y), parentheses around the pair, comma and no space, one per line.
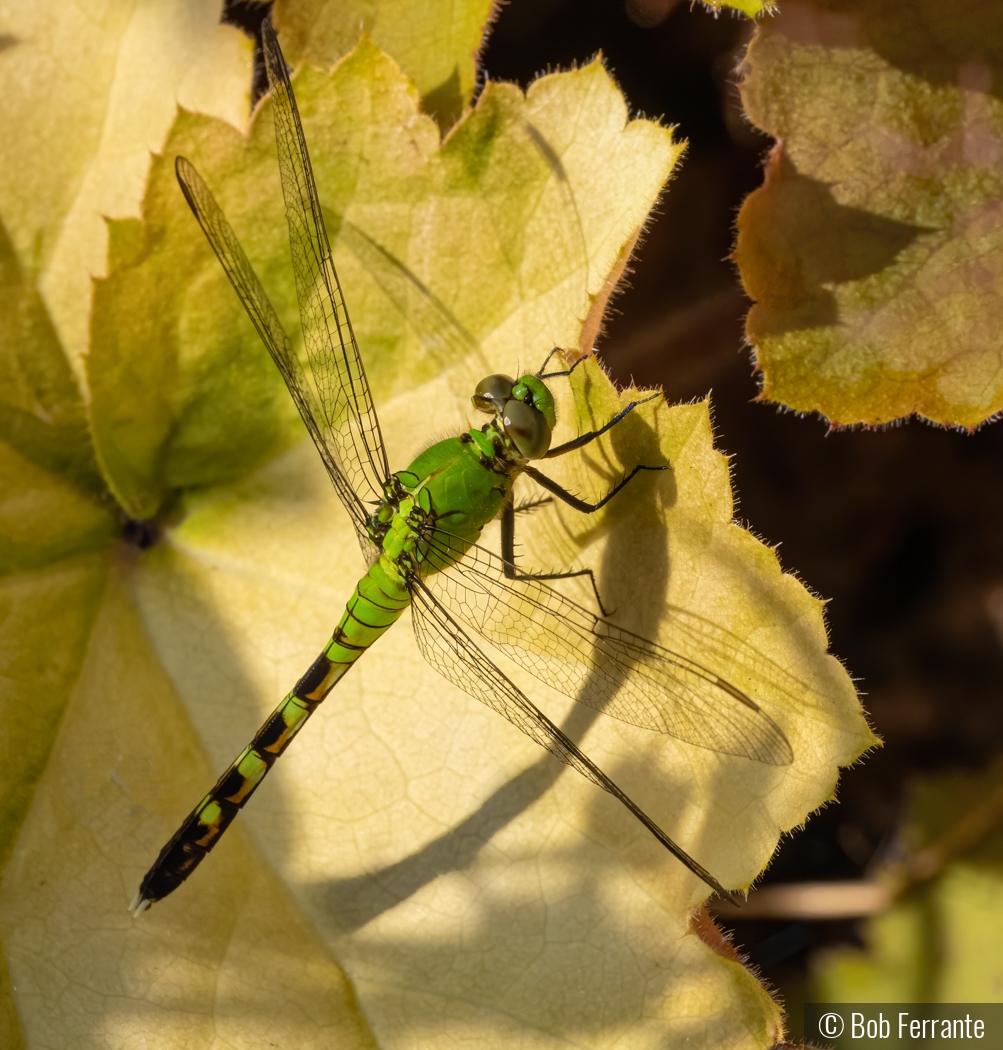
(419,529)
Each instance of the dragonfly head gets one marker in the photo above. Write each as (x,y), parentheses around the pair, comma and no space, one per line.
(525,407)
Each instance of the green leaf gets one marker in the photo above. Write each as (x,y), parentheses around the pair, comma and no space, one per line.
(940,941)
(874,249)
(181,394)
(752,8)
(52,501)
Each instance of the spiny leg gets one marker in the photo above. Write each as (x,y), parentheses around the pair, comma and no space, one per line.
(585,439)
(512,571)
(531,504)
(582,505)
(564,371)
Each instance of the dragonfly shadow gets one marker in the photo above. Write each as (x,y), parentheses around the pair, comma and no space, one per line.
(639,598)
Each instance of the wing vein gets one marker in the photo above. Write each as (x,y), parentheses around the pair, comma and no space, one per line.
(597,663)
(329,340)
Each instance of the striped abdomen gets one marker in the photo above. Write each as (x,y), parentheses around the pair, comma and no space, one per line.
(375,604)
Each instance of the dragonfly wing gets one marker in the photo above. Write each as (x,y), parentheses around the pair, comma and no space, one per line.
(447,647)
(437,327)
(245,281)
(597,663)
(335,365)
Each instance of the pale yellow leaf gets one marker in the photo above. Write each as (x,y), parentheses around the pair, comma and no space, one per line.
(90,91)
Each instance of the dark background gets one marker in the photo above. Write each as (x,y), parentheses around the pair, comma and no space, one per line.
(899,528)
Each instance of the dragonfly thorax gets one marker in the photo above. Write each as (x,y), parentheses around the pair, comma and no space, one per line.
(396,526)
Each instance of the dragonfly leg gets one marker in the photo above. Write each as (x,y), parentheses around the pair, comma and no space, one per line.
(508,556)
(585,439)
(580,504)
(564,372)
(542,374)
(532,504)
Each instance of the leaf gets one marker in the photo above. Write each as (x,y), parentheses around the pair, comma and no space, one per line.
(440,58)
(204,405)
(87,98)
(874,249)
(56,525)
(752,8)
(939,942)
(241,970)
(54,534)
(415,871)
(51,496)
(711,588)
(496,219)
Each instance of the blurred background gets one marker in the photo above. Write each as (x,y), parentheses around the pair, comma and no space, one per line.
(899,528)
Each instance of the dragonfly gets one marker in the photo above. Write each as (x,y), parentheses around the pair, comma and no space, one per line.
(419,530)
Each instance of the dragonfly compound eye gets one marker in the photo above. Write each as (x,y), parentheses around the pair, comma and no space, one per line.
(528,429)
(492,393)
(535,393)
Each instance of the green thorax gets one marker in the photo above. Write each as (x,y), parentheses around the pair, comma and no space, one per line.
(457,486)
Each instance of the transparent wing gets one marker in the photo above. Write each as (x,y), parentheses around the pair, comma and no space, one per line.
(265,320)
(438,329)
(335,364)
(595,662)
(448,649)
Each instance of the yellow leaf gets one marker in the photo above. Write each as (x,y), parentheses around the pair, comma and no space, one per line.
(874,249)
(435,44)
(89,93)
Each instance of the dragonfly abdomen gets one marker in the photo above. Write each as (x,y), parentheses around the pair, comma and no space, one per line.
(375,605)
